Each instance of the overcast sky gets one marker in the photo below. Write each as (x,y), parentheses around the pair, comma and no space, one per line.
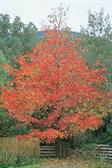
(38,10)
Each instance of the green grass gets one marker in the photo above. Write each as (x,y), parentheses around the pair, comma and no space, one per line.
(72,161)
(69,163)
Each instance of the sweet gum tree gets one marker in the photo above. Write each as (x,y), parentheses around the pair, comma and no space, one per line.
(54,91)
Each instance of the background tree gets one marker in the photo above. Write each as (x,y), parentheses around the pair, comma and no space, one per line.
(16,37)
(3,74)
(97,38)
(96,42)
(29,37)
(98,25)
(16,32)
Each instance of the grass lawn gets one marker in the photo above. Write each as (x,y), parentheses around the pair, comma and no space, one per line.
(71,162)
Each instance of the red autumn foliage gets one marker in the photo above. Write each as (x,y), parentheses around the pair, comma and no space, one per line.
(54,91)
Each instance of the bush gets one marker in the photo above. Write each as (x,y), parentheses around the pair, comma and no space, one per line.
(14,130)
(83,138)
(105,137)
(3,165)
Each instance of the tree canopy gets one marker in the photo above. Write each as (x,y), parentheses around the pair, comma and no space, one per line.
(54,91)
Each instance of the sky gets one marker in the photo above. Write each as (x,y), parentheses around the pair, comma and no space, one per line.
(37,10)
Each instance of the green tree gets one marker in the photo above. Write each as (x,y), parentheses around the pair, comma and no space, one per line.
(5,26)
(96,41)
(97,38)
(98,25)
(16,32)
(3,81)
(16,37)
(29,37)
(3,74)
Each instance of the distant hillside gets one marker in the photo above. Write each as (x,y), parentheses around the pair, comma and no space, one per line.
(74,33)
(41,34)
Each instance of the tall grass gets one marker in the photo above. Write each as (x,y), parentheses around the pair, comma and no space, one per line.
(7,158)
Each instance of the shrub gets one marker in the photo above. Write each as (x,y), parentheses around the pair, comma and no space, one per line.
(106,137)
(3,165)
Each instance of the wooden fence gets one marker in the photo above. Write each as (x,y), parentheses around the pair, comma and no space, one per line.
(104,151)
(33,148)
(47,151)
(12,145)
